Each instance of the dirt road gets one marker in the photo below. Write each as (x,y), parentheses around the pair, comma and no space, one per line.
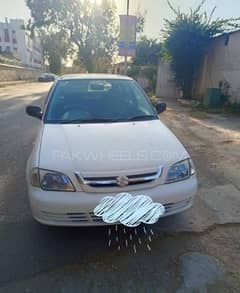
(197,251)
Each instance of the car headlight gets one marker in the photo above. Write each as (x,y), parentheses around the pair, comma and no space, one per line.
(180,171)
(51,180)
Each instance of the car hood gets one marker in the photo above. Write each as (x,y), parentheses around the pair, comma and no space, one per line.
(95,149)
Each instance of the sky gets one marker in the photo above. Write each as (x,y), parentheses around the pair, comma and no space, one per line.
(157,10)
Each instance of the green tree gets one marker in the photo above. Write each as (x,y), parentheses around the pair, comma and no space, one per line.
(96,39)
(45,23)
(141,19)
(147,52)
(146,60)
(89,29)
(55,49)
(186,40)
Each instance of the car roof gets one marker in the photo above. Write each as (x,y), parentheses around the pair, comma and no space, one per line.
(93,76)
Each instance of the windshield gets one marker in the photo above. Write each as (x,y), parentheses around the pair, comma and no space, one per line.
(97,100)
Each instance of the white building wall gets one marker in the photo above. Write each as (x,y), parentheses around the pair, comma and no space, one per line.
(5,41)
(221,65)
(165,82)
(19,44)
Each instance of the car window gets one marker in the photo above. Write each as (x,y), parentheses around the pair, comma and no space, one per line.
(88,99)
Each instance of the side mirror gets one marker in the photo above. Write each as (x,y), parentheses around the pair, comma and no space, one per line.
(161,107)
(34,111)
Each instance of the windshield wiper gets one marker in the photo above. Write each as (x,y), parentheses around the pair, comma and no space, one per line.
(143,118)
(86,121)
(104,120)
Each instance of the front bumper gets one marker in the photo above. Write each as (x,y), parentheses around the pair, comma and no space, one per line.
(76,209)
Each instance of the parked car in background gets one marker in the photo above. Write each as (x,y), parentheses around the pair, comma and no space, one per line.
(100,136)
(47,77)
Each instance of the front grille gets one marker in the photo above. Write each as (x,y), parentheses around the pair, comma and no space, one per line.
(171,208)
(95,219)
(78,217)
(84,218)
(89,218)
(115,181)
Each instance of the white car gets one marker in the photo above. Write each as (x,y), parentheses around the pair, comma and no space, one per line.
(101,136)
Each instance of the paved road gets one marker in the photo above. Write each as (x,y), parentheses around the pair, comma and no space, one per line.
(198,250)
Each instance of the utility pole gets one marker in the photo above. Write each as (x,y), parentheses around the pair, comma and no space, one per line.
(126,58)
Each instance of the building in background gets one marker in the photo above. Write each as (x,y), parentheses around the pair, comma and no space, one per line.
(16,41)
(166,86)
(220,69)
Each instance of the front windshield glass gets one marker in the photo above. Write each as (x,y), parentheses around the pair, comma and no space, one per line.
(97,100)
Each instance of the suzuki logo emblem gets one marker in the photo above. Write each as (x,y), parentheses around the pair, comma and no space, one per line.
(122,181)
